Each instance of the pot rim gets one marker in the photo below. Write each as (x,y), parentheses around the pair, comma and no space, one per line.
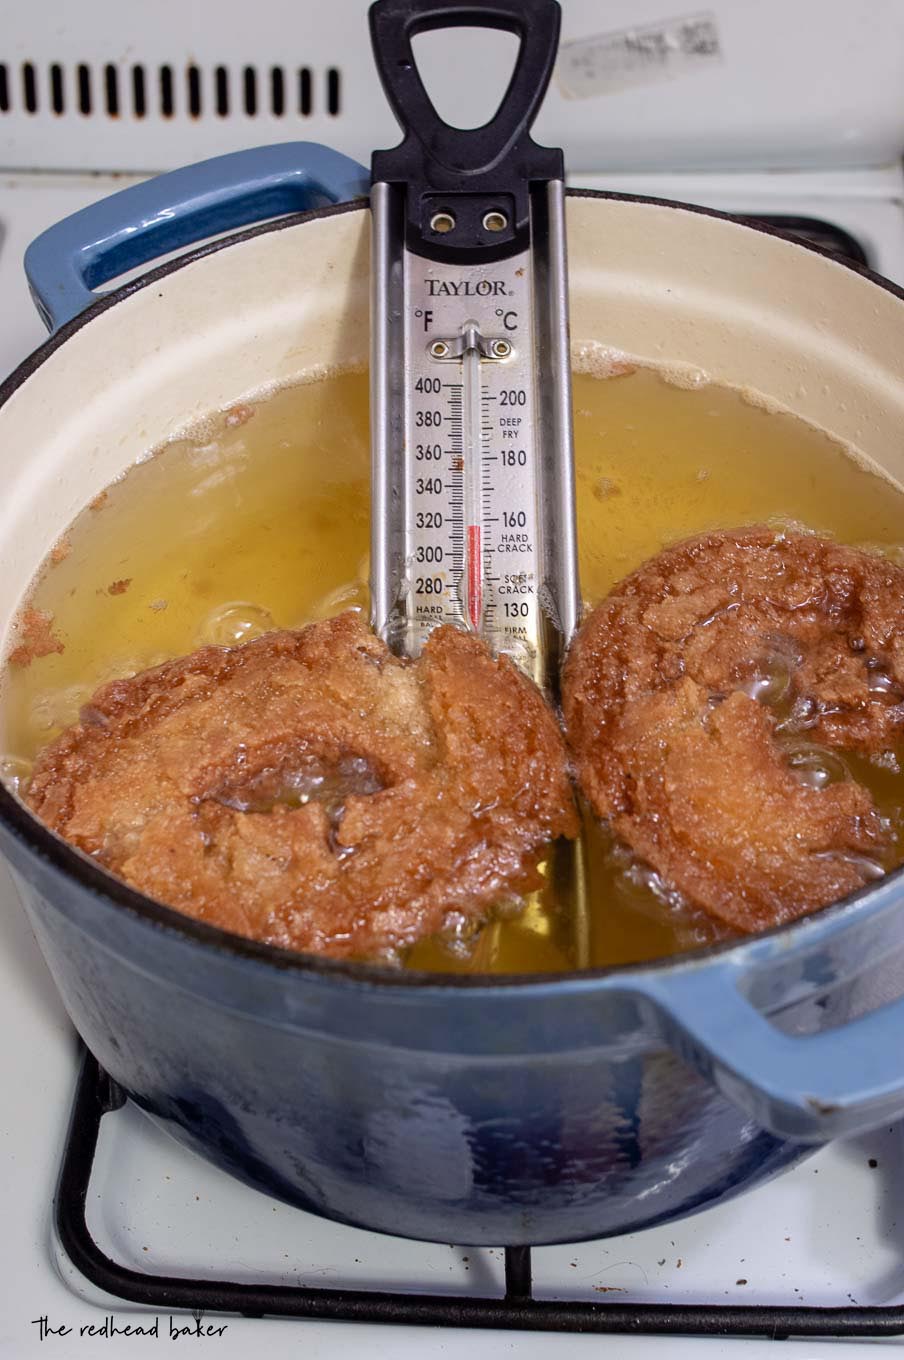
(68,861)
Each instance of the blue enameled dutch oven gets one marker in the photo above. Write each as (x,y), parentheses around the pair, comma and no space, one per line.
(475,1110)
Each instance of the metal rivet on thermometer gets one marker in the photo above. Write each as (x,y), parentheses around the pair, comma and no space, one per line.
(473,487)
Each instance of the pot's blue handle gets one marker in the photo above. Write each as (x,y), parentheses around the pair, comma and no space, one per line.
(808,1088)
(66,262)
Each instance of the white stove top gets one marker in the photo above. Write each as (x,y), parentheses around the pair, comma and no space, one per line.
(825,1234)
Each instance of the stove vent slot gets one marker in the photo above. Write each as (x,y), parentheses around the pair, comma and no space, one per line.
(57,102)
(83,78)
(168,91)
(29,87)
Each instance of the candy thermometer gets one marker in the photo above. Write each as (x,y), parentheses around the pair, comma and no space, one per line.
(472,479)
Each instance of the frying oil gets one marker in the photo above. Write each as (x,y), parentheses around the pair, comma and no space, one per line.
(260,519)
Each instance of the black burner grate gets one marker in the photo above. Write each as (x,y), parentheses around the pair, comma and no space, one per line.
(97,1096)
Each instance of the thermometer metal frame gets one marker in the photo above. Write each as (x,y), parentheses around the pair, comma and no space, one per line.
(473,515)
(472,478)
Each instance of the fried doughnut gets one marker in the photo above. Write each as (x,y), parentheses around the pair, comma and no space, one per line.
(311,790)
(703,699)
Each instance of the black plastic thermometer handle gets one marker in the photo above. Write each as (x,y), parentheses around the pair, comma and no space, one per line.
(466,189)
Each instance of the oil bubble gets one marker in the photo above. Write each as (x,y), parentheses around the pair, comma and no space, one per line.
(816,767)
(644,879)
(69,702)
(868,868)
(42,713)
(804,715)
(58,708)
(15,773)
(120,668)
(769,678)
(509,907)
(295,787)
(235,622)
(350,595)
(388,957)
(459,934)
(884,687)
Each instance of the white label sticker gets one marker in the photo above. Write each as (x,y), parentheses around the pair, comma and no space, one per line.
(637,56)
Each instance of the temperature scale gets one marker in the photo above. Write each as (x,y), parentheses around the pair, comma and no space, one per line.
(472,480)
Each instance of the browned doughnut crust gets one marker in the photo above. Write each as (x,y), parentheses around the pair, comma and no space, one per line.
(437,785)
(691,771)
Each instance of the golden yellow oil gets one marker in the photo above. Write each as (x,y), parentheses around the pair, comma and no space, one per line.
(261,519)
